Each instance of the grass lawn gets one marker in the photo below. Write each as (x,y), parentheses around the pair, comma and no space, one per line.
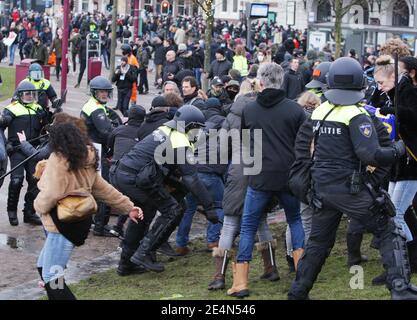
(8,76)
(187,278)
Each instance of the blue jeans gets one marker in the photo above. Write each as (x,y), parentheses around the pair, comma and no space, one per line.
(54,256)
(215,186)
(197,75)
(255,204)
(105,56)
(12,53)
(402,194)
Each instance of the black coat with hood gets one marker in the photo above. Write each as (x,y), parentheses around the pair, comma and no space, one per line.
(279,119)
(153,121)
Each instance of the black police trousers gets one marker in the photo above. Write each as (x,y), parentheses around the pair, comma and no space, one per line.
(102,217)
(149,200)
(16,183)
(323,234)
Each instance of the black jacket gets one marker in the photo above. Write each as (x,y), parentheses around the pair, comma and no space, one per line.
(214,120)
(171,68)
(160,52)
(279,118)
(129,78)
(293,84)
(123,138)
(219,68)
(153,121)
(195,100)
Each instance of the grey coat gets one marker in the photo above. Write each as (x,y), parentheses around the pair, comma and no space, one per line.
(236,182)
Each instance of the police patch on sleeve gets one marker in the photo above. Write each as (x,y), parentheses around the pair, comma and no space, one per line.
(366,129)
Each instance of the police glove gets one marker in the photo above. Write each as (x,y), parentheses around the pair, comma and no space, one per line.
(57,103)
(386,111)
(399,149)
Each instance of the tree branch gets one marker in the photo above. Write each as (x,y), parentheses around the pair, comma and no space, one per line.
(200,5)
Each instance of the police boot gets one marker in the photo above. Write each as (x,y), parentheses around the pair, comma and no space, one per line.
(29,215)
(267,250)
(15,186)
(395,259)
(239,288)
(143,257)
(221,260)
(354,241)
(126,267)
(100,221)
(13,220)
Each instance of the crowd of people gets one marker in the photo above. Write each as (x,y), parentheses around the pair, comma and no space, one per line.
(336,140)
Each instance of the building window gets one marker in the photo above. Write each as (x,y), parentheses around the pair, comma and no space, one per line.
(181,7)
(235,3)
(400,14)
(148,5)
(324,11)
(85,6)
(224,7)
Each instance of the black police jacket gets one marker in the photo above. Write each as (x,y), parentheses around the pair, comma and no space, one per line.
(122,139)
(153,121)
(28,118)
(96,119)
(170,145)
(348,141)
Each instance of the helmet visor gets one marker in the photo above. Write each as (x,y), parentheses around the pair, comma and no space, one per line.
(36,75)
(28,97)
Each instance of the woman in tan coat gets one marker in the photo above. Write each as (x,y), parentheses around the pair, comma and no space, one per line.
(71,166)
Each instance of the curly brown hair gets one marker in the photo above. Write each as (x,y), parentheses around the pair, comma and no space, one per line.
(395,45)
(69,141)
(63,117)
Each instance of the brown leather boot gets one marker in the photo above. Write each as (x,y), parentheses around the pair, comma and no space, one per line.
(297,254)
(239,288)
(182,251)
(267,249)
(221,260)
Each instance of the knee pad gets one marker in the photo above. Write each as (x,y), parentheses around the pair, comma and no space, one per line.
(16,182)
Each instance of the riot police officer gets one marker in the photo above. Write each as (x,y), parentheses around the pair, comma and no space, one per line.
(143,174)
(345,144)
(318,84)
(44,87)
(23,114)
(99,126)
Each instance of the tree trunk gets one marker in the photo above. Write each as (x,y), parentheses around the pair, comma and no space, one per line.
(113,43)
(338,27)
(207,49)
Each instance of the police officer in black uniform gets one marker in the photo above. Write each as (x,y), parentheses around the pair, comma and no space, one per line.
(23,114)
(142,175)
(44,87)
(317,85)
(346,145)
(99,126)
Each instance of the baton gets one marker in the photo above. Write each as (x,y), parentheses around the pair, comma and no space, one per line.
(20,164)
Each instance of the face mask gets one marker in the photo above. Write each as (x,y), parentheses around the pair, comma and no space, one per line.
(260,58)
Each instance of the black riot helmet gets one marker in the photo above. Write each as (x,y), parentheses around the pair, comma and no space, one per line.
(126,49)
(35,72)
(101,83)
(319,76)
(186,118)
(26,92)
(345,82)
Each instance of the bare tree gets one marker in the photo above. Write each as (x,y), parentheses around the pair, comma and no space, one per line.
(207,7)
(340,9)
